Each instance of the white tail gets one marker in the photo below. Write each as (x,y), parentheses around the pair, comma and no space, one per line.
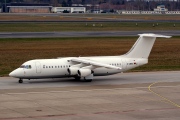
(143,46)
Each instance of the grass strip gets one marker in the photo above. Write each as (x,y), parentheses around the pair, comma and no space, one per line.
(79,26)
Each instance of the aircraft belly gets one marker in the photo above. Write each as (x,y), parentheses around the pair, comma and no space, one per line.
(48,76)
(103,72)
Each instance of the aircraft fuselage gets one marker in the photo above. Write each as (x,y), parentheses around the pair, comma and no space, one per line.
(58,68)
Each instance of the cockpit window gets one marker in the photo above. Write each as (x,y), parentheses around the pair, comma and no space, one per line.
(29,66)
(25,66)
(22,66)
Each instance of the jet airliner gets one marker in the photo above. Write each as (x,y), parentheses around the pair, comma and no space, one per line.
(85,68)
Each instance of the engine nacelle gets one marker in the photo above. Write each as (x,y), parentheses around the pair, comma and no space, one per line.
(73,70)
(84,72)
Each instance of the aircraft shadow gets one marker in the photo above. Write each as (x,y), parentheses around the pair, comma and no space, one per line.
(71,80)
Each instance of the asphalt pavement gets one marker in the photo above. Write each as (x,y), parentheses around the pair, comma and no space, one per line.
(126,96)
(82,34)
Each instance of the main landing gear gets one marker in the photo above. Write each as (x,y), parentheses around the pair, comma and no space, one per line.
(83,80)
(77,78)
(20,81)
(87,80)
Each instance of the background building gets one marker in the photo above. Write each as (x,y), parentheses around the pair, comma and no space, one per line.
(160,8)
(29,9)
(98,5)
(68,10)
(26,8)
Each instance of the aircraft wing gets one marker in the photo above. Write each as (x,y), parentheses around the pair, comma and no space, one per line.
(94,63)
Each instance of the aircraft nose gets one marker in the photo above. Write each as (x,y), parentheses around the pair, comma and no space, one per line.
(12,74)
(17,73)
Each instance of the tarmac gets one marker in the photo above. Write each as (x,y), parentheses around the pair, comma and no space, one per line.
(83,34)
(127,96)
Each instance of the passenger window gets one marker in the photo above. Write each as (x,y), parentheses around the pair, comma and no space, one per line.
(46,66)
(49,67)
(52,66)
(55,66)
(43,66)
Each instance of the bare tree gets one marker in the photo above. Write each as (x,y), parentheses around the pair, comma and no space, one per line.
(54,2)
(28,1)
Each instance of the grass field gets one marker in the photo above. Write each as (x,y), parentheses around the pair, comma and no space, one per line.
(83,17)
(76,26)
(13,52)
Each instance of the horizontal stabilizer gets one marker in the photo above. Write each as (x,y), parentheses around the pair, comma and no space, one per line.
(153,35)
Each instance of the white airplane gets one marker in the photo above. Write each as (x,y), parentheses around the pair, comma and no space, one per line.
(85,68)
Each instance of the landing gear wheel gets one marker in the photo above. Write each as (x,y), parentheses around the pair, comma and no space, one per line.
(77,78)
(87,80)
(90,80)
(20,81)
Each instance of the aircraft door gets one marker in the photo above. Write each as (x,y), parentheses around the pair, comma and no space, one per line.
(124,64)
(38,67)
(24,71)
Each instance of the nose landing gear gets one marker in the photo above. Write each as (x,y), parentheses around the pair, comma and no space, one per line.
(20,81)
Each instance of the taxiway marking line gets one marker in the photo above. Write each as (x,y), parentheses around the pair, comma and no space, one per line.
(169,101)
(88,90)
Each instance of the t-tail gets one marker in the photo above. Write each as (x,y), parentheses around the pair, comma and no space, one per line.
(143,46)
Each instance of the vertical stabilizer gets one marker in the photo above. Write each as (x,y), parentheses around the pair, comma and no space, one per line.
(143,46)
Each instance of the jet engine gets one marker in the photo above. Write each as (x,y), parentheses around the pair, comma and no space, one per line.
(72,70)
(84,72)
